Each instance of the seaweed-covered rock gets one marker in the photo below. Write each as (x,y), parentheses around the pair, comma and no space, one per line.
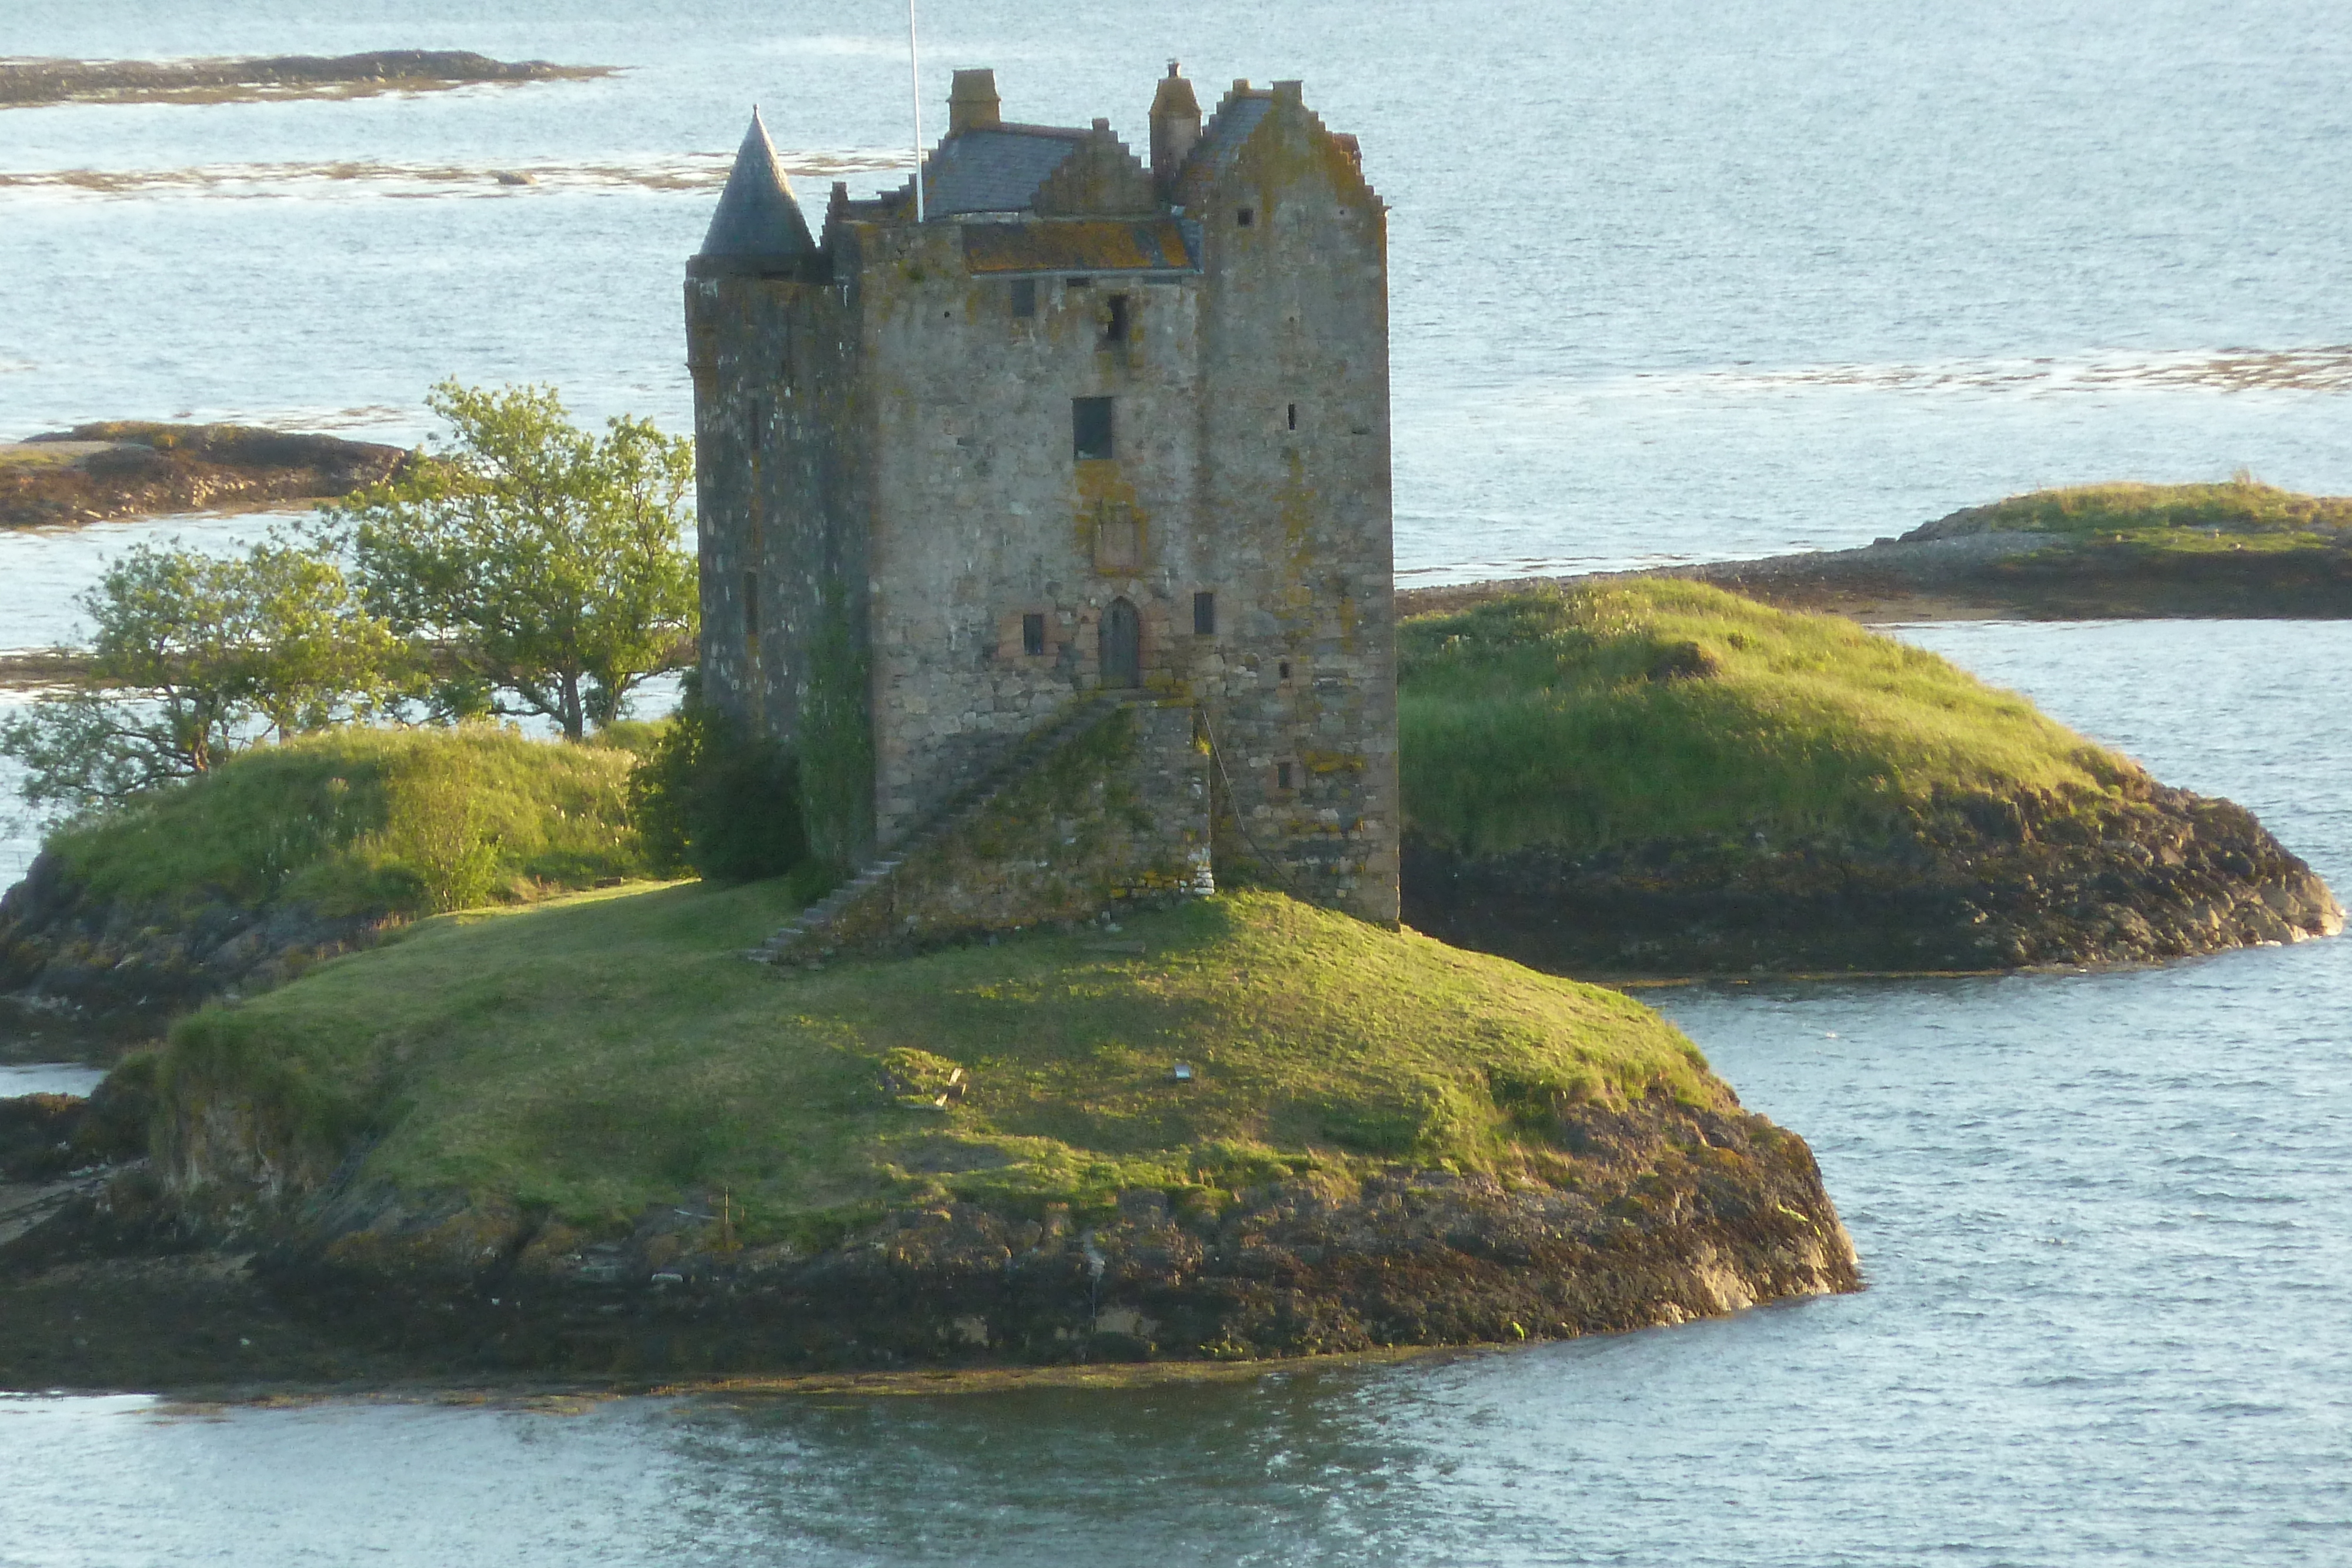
(1982,882)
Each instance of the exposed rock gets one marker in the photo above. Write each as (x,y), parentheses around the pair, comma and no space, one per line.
(1981,883)
(1672,1213)
(32,82)
(87,977)
(126,468)
(46,1137)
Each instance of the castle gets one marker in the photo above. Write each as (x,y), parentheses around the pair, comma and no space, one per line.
(1082,432)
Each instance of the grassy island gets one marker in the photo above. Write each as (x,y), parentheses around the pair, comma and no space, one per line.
(1659,709)
(2240,513)
(239,879)
(590,1135)
(1656,775)
(604,1053)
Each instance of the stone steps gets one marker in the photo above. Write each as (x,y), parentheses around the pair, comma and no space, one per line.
(802,938)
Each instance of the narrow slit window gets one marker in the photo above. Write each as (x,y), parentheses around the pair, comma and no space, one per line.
(1077,283)
(1092,429)
(1033,635)
(1244,217)
(752,604)
(1121,319)
(1291,414)
(1285,776)
(1205,614)
(1024,296)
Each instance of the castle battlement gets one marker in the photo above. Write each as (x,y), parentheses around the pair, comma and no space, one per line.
(1096,424)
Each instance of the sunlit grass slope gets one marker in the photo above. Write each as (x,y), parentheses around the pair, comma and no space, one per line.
(1609,716)
(2176,515)
(615,1050)
(359,820)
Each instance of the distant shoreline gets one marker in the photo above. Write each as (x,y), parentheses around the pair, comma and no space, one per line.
(1989,577)
(136,468)
(29,83)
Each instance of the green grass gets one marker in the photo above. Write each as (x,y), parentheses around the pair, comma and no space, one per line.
(2241,507)
(614,1050)
(1609,716)
(362,820)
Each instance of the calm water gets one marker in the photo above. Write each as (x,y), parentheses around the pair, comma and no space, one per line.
(1671,281)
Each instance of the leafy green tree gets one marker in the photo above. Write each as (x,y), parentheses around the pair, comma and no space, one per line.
(198,657)
(546,564)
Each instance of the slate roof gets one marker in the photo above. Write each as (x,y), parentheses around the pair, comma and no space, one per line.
(757,222)
(994,171)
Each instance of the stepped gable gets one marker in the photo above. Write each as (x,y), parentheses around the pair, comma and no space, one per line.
(758,226)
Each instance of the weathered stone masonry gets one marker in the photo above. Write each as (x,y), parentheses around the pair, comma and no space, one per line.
(1087,426)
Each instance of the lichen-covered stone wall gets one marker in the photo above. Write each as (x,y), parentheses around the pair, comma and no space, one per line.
(1117,813)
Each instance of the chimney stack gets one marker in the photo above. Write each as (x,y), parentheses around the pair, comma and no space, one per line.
(1175,126)
(972,103)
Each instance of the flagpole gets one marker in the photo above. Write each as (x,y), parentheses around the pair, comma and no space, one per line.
(914,86)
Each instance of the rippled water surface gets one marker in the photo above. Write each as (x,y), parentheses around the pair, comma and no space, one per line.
(1671,280)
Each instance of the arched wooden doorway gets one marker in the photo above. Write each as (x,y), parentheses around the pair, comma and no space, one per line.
(1122,646)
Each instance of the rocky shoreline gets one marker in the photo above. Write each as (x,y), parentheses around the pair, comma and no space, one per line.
(1976,884)
(205,1267)
(1995,575)
(132,469)
(88,979)
(27,82)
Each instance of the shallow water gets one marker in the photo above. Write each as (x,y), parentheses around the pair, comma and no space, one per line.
(1671,281)
(48,1077)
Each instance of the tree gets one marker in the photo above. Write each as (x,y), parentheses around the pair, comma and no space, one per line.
(198,657)
(546,563)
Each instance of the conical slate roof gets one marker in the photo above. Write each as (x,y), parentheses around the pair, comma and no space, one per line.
(758,222)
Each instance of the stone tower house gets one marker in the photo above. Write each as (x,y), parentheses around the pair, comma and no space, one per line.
(1087,428)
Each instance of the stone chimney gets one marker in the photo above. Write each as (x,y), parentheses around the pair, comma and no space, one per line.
(1175,126)
(972,103)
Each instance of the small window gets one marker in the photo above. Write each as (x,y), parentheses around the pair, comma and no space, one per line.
(1286,669)
(1024,296)
(1077,283)
(751,603)
(1205,614)
(1292,416)
(1244,217)
(1121,319)
(1033,635)
(1285,776)
(1091,430)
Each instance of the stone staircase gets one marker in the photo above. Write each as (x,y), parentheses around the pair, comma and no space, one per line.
(803,939)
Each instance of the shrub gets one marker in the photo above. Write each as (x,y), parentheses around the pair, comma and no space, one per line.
(708,798)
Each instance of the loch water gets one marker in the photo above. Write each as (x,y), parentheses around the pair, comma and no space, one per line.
(1671,281)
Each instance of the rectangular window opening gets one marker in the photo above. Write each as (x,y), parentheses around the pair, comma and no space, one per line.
(1293,416)
(1033,635)
(1205,614)
(1121,321)
(1091,429)
(752,604)
(1024,296)
(1077,283)
(1244,217)
(1285,776)
(1286,669)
